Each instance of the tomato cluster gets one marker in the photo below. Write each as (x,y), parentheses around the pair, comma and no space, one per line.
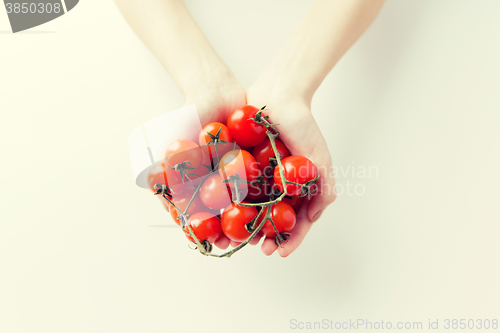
(229,184)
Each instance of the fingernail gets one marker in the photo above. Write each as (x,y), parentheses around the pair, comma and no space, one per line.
(317,216)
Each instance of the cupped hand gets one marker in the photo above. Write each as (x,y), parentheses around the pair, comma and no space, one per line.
(301,134)
(215,104)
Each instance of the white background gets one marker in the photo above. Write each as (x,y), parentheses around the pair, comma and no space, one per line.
(417,97)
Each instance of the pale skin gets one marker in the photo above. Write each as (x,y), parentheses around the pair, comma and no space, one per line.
(286,85)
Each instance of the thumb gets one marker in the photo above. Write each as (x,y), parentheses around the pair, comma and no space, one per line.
(322,196)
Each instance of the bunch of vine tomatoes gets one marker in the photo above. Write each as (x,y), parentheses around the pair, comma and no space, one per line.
(230,182)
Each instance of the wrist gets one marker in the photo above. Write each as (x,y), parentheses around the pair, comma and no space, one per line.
(285,82)
(276,88)
(210,81)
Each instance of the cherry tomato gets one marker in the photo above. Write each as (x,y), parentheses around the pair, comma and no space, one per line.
(214,193)
(264,151)
(202,170)
(284,219)
(245,132)
(205,226)
(183,150)
(213,128)
(239,162)
(248,149)
(295,202)
(224,135)
(298,169)
(234,219)
(159,173)
(182,201)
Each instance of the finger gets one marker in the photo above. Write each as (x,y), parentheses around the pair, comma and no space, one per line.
(297,236)
(299,232)
(255,240)
(326,193)
(222,243)
(235,244)
(268,246)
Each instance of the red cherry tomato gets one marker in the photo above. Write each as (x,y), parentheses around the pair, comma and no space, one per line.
(248,149)
(183,150)
(202,170)
(295,202)
(239,162)
(222,150)
(182,201)
(298,169)
(264,151)
(213,128)
(224,135)
(214,193)
(205,226)
(284,219)
(234,219)
(245,132)
(159,173)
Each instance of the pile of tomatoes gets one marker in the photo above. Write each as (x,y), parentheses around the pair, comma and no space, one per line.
(225,184)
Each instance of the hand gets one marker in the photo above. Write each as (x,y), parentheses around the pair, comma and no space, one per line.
(301,134)
(215,105)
